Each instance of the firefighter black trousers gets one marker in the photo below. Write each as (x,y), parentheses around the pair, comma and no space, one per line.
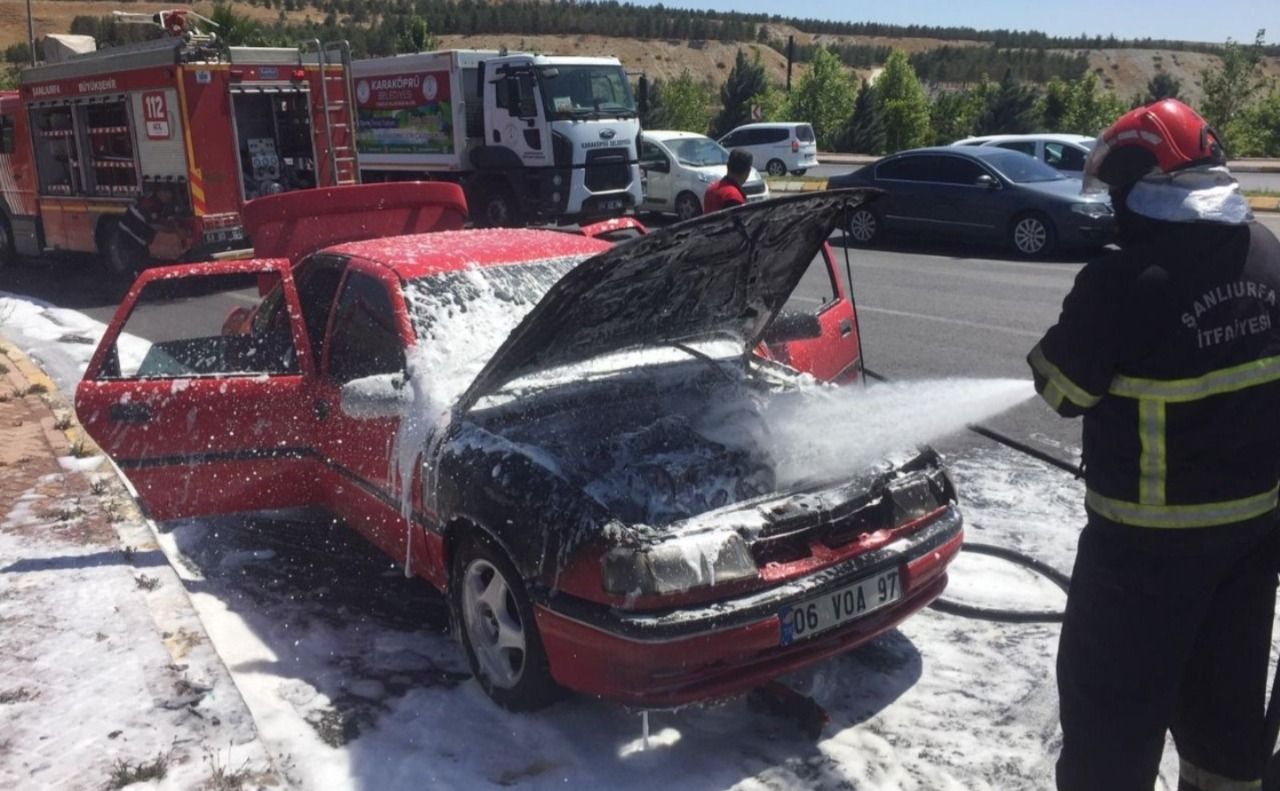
(1165,629)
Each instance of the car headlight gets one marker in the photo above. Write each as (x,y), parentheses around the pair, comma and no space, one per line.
(677,565)
(1092,210)
(706,178)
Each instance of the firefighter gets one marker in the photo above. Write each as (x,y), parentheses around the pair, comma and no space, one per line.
(138,226)
(727,192)
(1170,349)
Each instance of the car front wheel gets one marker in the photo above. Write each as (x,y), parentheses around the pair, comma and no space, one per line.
(1031,235)
(498,630)
(864,227)
(688,206)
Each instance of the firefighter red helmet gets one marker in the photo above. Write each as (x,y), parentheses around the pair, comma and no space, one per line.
(1163,137)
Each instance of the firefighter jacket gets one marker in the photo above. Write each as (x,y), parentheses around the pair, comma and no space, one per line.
(1170,349)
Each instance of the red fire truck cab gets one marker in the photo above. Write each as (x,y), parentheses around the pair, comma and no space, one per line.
(184,128)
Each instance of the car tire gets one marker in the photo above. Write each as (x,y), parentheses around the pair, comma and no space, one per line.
(499,634)
(498,208)
(776,168)
(1032,235)
(864,227)
(7,255)
(123,259)
(688,206)
(799,171)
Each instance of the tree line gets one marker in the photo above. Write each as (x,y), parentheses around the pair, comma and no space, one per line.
(899,112)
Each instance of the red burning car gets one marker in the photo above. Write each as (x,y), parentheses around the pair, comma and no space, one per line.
(557,432)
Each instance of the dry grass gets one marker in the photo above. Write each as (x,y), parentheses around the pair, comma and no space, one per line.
(124,773)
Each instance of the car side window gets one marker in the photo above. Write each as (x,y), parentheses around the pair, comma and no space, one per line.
(909,168)
(776,135)
(816,290)
(317,279)
(652,158)
(364,340)
(1063,156)
(955,170)
(1025,146)
(213,325)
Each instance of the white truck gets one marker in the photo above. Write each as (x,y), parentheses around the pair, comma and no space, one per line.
(529,137)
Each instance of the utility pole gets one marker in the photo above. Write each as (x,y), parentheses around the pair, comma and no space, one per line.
(791,56)
(31,34)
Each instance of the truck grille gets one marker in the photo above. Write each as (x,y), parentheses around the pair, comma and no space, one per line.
(608,170)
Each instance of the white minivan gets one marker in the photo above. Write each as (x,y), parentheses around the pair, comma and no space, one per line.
(776,148)
(678,167)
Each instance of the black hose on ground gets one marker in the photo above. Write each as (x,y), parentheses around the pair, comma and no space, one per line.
(952,607)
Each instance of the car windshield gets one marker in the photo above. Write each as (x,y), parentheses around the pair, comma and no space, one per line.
(585,91)
(461,318)
(698,152)
(1020,168)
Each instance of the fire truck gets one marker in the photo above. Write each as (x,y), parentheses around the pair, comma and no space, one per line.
(181,131)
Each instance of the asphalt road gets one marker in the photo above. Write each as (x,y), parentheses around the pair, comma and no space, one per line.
(1248,181)
(928,311)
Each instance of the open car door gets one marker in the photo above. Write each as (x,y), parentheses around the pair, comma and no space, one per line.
(198,390)
(834,354)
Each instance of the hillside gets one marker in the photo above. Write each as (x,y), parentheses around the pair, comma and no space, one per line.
(1123,70)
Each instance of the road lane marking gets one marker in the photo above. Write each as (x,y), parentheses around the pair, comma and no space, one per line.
(945,320)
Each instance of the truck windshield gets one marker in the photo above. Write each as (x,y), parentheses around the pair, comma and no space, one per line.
(580,91)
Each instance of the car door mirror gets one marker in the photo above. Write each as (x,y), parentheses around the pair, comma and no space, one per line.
(793,326)
(986,180)
(375,397)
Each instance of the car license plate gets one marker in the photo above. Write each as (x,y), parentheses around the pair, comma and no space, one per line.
(840,606)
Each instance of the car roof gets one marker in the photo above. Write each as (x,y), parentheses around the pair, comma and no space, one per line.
(671,134)
(772,125)
(427,254)
(1048,137)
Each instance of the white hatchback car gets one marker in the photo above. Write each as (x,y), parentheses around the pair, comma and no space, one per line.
(1064,152)
(777,148)
(679,166)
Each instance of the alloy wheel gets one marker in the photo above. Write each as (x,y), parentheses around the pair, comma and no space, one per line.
(862,226)
(776,168)
(1030,236)
(493,624)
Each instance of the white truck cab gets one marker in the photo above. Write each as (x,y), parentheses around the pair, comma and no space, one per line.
(529,137)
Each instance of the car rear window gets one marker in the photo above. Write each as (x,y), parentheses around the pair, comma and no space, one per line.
(804,133)
(1020,168)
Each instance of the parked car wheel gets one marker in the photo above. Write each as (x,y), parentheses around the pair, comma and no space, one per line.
(7,256)
(776,168)
(688,206)
(499,634)
(498,208)
(864,226)
(1032,235)
(799,171)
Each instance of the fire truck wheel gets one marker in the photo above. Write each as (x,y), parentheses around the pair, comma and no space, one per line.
(498,208)
(123,258)
(6,243)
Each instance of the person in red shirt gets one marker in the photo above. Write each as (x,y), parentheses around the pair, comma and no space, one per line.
(727,192)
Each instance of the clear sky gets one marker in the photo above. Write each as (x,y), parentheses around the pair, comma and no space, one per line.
(1174,19)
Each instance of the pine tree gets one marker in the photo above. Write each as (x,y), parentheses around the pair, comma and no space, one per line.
(745,82)
(1011,110)
(903,106)
(1162,86)
(865,132)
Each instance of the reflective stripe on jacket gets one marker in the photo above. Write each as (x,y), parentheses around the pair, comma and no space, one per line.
(1171,351)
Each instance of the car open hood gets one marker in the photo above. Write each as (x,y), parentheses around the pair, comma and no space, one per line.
(723,275)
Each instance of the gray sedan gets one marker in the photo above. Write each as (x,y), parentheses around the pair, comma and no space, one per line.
(978,194)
